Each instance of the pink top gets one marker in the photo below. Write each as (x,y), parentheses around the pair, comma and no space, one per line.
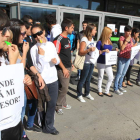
(127,50)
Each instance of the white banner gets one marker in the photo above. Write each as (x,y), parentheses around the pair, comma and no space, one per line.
(11,90)
(134,51)
(111,58)
(94,56)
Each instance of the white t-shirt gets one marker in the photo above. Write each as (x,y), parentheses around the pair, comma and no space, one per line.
(43,62)
(89,44)
(55,31)
(15,118)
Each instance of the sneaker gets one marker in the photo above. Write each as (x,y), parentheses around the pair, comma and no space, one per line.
(25,137)
(66,107)
(89,97)
(122,90)
(118,92)
(59,112)
(80,98)
(138,83)
(34,128)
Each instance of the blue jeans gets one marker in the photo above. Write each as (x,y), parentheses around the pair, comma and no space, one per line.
(86,74)
(122,66)
(48,125)
(79,73)
(23,110)
(32,111)
(32,104)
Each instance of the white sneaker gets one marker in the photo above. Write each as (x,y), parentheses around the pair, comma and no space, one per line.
(59,112)
(89,97)
(66,107)
(122,90)
(118,92)
(80,98)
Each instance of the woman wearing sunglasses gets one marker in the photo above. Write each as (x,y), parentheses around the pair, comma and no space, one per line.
(44,57)
(19,33)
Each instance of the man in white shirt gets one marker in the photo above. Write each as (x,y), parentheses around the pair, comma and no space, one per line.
(55,28)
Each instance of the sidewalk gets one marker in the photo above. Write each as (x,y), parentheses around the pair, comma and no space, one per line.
(116,118)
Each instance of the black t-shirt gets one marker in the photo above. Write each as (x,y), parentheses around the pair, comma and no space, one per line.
(63,49)
(32,42)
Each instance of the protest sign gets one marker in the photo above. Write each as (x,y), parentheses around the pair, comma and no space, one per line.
(94,56)
(111,58)
(11,90)
(134,51)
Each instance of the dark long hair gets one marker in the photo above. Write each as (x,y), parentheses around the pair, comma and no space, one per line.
(15,27)
(4,22)
(135,30)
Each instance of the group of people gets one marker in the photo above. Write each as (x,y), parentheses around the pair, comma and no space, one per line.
(50,62)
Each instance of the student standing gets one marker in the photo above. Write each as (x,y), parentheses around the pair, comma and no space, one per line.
(126,44)
(44,57)
(86,47)
(104,46)
(135,39)
(62,43)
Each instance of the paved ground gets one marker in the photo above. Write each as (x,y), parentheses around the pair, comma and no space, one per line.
(105,118)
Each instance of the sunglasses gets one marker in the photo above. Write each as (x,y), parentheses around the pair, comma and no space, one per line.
(31,23)
(4,30)
(23,34)
(37,34)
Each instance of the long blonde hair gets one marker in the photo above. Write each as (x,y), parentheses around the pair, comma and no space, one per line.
(105,35)
(88,30)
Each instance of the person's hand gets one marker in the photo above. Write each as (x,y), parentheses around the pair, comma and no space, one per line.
(27,80)
(117,49)
(72,67)
(92,49)
(53,60)
(66,73)
(41,82)
(41,51)
(13,53)
(128,38)
(107,50)
(25,47)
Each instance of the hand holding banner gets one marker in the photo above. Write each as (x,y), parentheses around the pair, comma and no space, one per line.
(111,58)
(11,90)
(94,56)
(134,51)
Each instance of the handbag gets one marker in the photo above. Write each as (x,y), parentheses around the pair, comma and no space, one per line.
(31,91)
(79,61)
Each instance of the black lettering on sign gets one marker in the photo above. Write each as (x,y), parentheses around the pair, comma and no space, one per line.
(11,92)
(1,95)
(7,103)
(6,83)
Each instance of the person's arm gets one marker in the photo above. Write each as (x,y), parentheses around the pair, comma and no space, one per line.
(38,58)
(82,50)
(99,46)
(40,79)
(25,51)
(56,57)
(58,48)
(13,54)
(123,43)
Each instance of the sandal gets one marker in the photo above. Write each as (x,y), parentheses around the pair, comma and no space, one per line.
(100,94)
(109,95)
